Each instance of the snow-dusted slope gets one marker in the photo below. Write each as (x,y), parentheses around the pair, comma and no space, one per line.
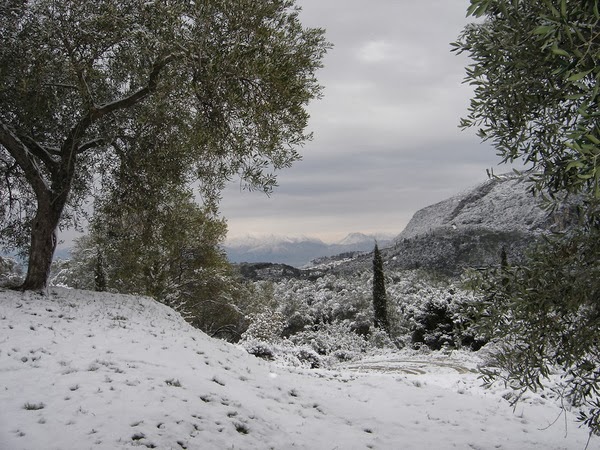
(502,204)
(82,370)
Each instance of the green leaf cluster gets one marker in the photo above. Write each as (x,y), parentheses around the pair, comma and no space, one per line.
(536,77)
(545,319)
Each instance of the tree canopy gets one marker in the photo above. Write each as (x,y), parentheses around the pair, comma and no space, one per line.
(223,85)
(536,76)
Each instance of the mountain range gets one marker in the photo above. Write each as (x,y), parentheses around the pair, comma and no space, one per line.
(468,230)
(299,251)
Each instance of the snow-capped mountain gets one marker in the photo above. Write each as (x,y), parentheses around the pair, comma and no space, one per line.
(472,228)
(361,239)
(298,251)
(503,204)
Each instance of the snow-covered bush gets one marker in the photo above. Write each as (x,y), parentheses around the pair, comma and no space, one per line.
(265,326)
(380,339)
(286,353)
(436,314)
(334,339)
(11,273)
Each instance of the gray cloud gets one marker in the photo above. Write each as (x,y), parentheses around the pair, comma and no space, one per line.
(386,137)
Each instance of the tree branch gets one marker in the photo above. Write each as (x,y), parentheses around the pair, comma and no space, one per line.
(137,96)
(24,158)
(40,152)
(70,147)
(92,144)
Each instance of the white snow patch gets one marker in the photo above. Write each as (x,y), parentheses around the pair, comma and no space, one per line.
(101,371)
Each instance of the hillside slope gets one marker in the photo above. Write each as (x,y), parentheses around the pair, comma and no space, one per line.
(471,229)
(504,204)
(81,370)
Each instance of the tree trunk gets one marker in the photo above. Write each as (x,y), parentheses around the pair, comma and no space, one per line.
(43,244)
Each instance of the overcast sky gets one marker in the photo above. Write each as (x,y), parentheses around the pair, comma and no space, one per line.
(386,137)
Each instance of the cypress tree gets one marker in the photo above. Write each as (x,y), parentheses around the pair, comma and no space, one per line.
(99,275)
(379,295)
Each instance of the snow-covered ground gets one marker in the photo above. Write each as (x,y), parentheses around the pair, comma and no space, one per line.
(82,370)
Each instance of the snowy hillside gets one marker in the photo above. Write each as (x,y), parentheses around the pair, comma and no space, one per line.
(502,204)
(81,370)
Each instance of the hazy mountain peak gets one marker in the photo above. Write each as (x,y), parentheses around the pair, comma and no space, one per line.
(362,238)
(297,250)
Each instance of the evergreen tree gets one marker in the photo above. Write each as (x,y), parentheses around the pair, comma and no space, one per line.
(99,275)
(379,295)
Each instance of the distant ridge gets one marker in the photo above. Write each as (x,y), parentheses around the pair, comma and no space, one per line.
(298,251)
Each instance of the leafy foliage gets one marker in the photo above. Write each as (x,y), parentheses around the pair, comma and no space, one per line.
(220,88)
(545,317)
(536,75)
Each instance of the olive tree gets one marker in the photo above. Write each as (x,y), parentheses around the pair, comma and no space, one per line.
(536,77)
(228,81)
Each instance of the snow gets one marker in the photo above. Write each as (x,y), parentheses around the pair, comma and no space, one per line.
(501,204)
(84,370)
(262,241)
